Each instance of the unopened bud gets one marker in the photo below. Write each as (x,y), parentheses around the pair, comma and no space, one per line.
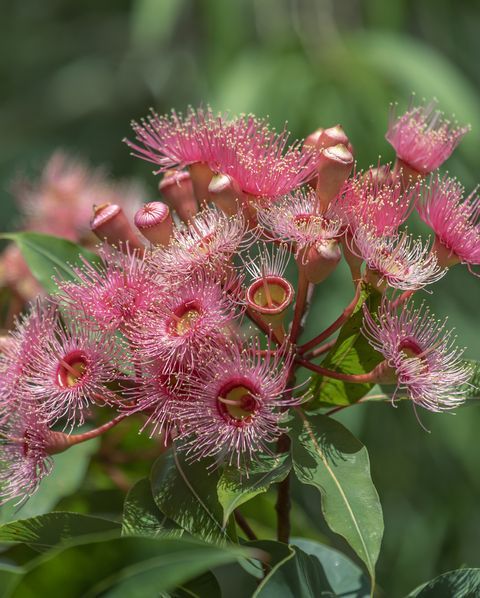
(223,194)
(110,224)
(334,136)
(334,166)
(270,297)
(177,190)
(201,176)
(312,139)
(155,223)
(320,261)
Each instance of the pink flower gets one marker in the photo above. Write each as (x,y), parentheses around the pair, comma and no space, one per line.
(16,355)
(420,352)
(422,138)
(207,242)
(398,260)
(198,314)
(112,294)
(234,406)
(454,219)
(24,455)
(70,369)
(296,219)
(375,200)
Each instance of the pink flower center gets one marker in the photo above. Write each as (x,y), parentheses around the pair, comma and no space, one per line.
(270,294)
(411,349)
(236,403)
(71,369)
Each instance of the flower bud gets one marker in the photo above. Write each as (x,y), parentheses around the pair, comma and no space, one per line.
(155,223)
(270,297)
(177,190)
(201,176)
(332,136)
(312,139)
(110,223)
(334,167)
(224,195)
(319,261)
(446,257)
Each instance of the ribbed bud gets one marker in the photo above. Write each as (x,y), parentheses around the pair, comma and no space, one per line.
(320,261)
(334,136)
(270,296)
(177,190)
(224,195)
(155,223)
(201,176)
(110,224)
(334,166)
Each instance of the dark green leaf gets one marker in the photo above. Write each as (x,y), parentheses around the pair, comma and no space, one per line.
(351,354)
(292,573)
(235,488)
(328,457)
(346,578)
(461,583)
(68,473)
(49,256)
(187,494)
(141,514)
(125,567)
(46,531)
(203,586)
(9,576)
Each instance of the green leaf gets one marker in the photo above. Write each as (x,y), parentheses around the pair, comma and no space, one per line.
(293,573)
(461,583)
(9,576)
(51,529)
(141,514)
(351,354)
(125,567)
(49,256)
(235,488)
(200,587)
(346,578)
(187,494)
(328,457)
(67,476)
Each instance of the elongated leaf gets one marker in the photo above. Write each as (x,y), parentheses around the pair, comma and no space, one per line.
(328,457)
(187,494)
(351,354)
(461,583)
(51,529)
(235,488)
(346,579)
(68,473)
(141,516)
(49,256)
(139,566)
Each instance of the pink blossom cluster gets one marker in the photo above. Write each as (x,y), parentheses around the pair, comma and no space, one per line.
(190,320)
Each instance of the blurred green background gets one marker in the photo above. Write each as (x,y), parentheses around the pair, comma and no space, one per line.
(72,74)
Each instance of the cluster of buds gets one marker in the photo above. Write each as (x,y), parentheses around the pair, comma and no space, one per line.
(190,319)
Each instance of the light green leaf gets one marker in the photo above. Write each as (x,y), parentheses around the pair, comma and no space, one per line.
(67,475)
(126,567)
(461,583)
(351,354)
(48,530)
(49,256)
(141,516)
(328,457)
(187,494)
(235,488)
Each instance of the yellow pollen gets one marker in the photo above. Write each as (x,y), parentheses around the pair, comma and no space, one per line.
(184,322)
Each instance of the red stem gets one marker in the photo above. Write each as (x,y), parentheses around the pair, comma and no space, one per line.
(300,302)
(347,312)
(320,350)
(357,378)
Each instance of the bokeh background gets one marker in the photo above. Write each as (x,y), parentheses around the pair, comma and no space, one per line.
(73,74)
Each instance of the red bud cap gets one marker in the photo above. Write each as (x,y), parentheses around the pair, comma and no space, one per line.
(270,297)
(177,190)
(155,223)
(334,166)
(201,176)
(224,195)
(110,224)
(313,139)
(320,261)
(332,136)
